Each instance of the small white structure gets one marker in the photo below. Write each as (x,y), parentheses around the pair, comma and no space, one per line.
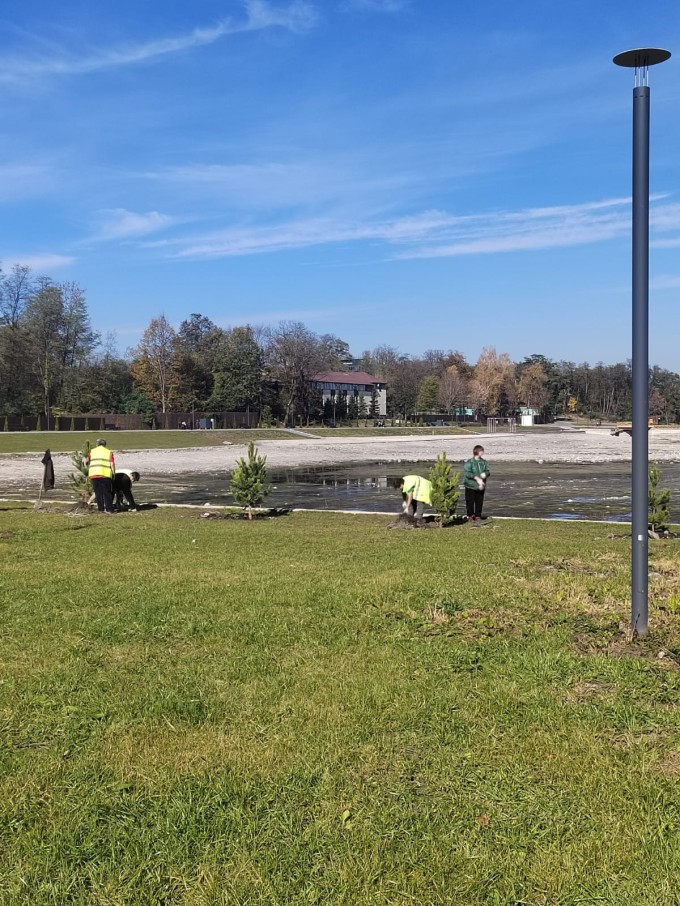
(527,416)
(359,384)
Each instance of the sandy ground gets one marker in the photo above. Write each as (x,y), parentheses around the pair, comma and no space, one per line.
(591,445)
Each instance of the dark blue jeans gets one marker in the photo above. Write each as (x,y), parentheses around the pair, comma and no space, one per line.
(474,501)
(102,493)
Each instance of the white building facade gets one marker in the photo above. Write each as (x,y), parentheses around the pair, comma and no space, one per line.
(359,384)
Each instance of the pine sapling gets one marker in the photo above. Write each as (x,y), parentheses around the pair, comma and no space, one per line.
(249,482)
(445,489)
(80,483)
(659,500)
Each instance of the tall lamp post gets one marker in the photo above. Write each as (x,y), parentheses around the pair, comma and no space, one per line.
(640,60)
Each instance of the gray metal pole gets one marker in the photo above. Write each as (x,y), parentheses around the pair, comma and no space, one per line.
(640,59)
(639,553)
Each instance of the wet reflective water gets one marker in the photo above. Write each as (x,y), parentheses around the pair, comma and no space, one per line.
(558,491)
(548,490)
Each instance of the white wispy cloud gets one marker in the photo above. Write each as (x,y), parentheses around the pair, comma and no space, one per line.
(434,233)
(38,263)
(376,6)
(529,230)
(259,14)
(289,184)
(19,180)
(297,16)
(665,281)
(119,223)
(305,233)
(543,228)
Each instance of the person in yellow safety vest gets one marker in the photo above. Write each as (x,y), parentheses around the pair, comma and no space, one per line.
(416,492)
(101,469)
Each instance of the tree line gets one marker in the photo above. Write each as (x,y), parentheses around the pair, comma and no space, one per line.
(53,362)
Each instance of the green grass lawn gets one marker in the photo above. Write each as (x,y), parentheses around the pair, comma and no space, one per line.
(317,710)
(67,441)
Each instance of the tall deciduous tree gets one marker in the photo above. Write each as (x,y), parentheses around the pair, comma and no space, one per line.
(238,380)
(15,291)
(16,288)
(152,365)
(533,382)
(58,339)
(495,375)
(381,361)
(106,382)
(335,352)
(403,384)
(293,355)
(452,389)
(194,332)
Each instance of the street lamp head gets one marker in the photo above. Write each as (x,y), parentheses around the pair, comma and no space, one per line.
(640,60)
(642,57)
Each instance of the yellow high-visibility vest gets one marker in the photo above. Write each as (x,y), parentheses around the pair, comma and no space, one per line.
(420,487)
(101,463)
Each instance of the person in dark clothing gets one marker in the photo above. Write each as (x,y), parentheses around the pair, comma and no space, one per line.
(122,487)
(101,470)
(475,475)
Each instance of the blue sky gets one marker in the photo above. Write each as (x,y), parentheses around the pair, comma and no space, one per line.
(423,173)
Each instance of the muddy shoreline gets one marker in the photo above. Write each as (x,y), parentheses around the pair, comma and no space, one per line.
(588,446)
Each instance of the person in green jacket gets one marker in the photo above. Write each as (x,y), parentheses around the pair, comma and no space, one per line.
(475,475)
(416,492)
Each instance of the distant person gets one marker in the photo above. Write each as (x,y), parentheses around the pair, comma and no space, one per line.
(101,470)
(122,487)
(475,475)
(416,493)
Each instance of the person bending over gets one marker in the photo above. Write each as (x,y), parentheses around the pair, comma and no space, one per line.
(101,470)
(416,493)
(122,487)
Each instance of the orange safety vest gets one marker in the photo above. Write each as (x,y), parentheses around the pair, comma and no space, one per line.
(100,463)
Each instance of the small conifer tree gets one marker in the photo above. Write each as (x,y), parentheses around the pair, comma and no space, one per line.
(445,489)
(659,500)
(80,483)
(249,482)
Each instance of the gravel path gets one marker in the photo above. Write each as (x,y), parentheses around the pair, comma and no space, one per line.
(591,445)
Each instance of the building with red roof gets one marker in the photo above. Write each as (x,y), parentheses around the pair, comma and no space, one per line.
(360,384)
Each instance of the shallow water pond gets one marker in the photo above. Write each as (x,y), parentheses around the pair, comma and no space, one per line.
(558,491)
(548,490)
